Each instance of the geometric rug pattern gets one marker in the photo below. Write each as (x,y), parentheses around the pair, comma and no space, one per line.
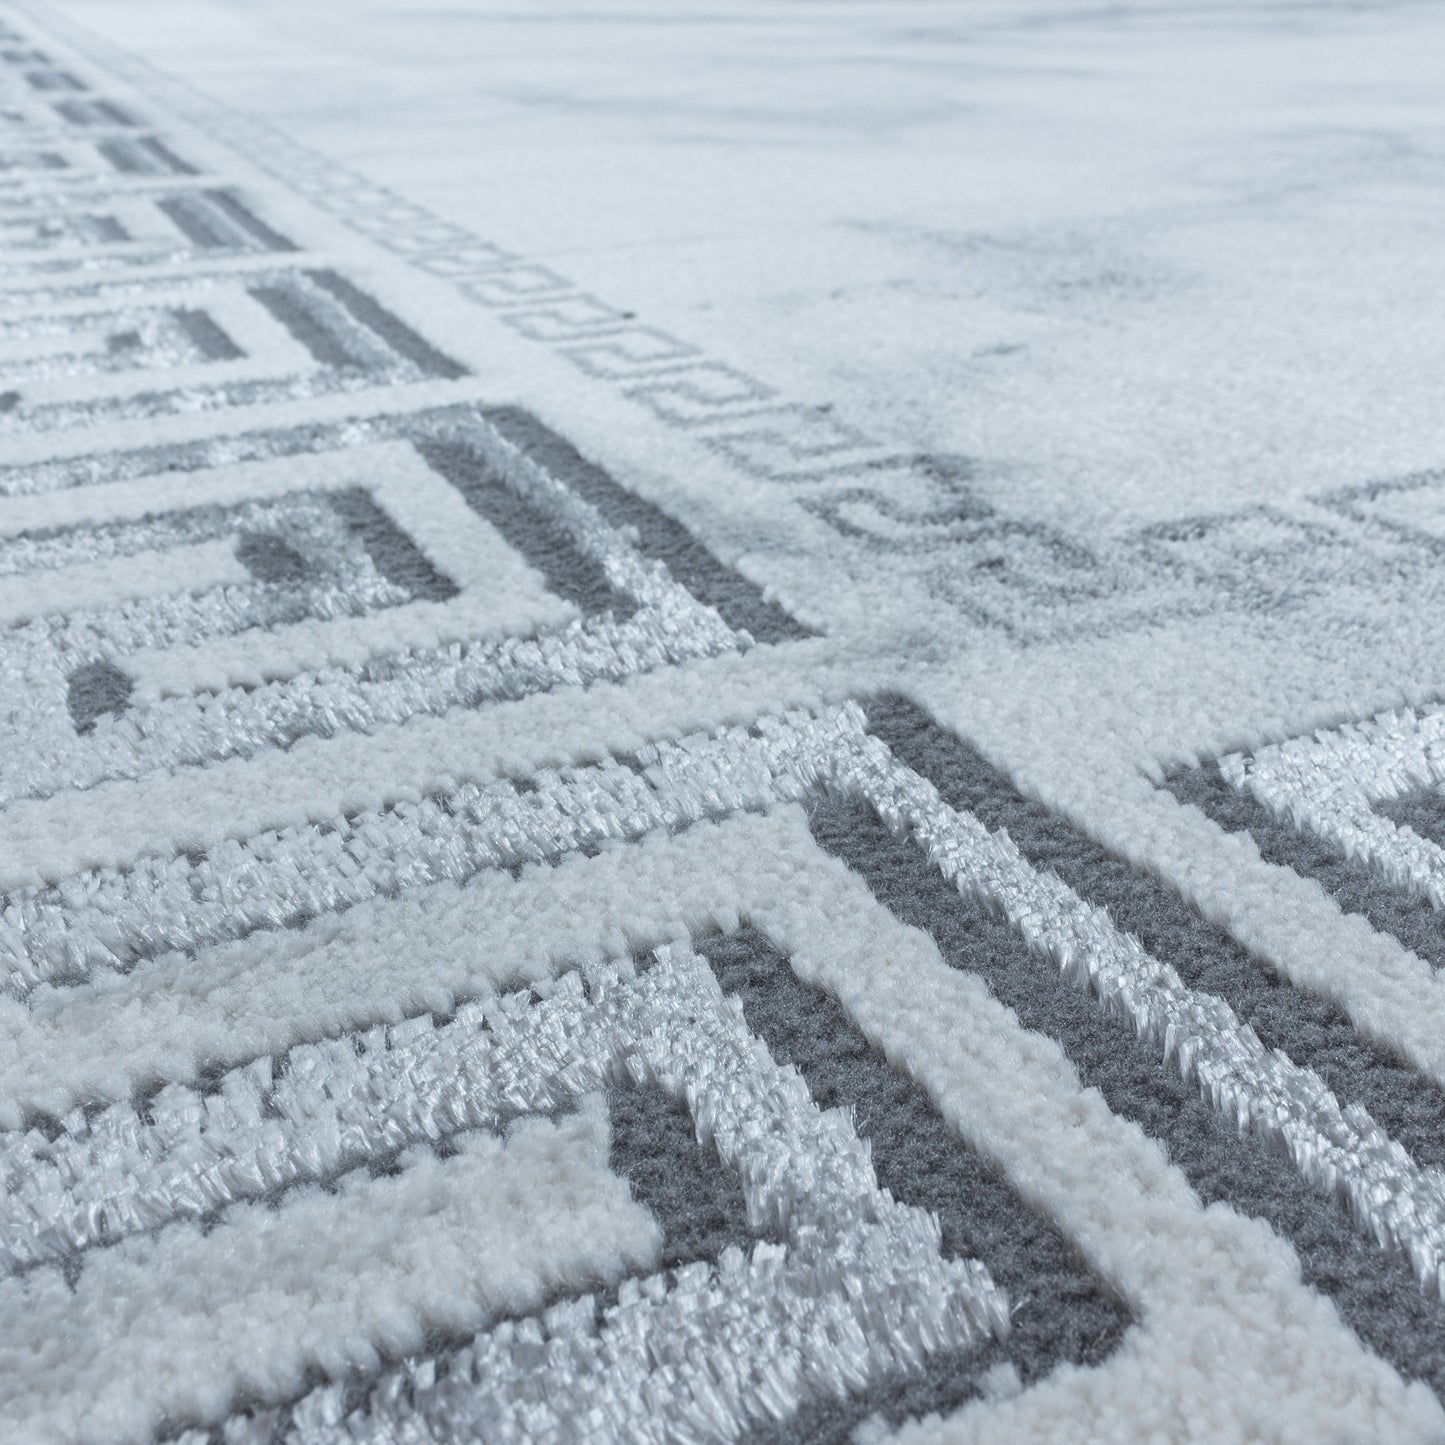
(478,963)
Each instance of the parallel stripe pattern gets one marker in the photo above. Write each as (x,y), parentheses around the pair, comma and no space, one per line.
(112,919)
(1357,808)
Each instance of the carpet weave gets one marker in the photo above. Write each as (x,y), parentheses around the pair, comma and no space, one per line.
(554,888)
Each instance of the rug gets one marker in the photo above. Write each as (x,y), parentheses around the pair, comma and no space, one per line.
(869,870)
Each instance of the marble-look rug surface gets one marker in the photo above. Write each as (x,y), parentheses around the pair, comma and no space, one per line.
(721,726)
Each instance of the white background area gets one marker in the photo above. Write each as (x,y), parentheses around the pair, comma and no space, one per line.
(1138,261)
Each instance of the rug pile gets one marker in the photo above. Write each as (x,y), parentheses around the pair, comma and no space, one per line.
(551,890)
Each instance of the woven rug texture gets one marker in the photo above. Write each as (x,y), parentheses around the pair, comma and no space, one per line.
(721,723)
